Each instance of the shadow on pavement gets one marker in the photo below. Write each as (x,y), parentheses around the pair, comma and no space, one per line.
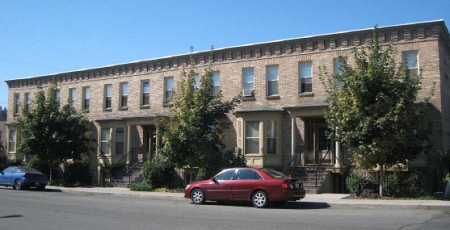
(288,205)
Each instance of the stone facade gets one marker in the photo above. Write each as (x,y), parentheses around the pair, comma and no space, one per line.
(286,123)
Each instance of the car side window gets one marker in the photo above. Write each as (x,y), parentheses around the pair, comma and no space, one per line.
(248,174)
(227,175)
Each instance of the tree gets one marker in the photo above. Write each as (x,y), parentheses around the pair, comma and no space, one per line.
(193,135)
(51,133)
(373,109)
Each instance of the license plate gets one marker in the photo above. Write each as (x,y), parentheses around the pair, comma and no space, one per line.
(37,183)
(297,185)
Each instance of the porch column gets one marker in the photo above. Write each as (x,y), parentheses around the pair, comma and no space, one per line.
(128,149)
(293,125)
(157,143)
(338,155)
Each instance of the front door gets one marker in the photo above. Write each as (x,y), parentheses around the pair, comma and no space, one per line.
(317,145)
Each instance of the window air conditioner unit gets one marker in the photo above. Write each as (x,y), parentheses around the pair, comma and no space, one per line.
(247,92)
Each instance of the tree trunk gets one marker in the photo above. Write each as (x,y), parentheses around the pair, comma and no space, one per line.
(381,180)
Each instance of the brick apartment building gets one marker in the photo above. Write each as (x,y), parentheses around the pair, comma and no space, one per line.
(279,122)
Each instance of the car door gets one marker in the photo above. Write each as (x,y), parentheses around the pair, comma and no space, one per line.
(245,183)
(220,186)
(5,178)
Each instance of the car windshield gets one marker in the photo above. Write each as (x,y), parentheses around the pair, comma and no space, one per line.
(274,173)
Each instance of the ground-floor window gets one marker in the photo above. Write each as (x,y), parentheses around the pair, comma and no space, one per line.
(12,141)
(105,139)
(251,137)
(120,140)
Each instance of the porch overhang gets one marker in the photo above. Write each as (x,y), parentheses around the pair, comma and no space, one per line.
(257,109)
(128,118)
(307,110)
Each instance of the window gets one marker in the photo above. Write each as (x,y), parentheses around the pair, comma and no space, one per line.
(123,94)
(108,96)
(196,81)
(105,138)
(227,175)
(305,77)
(272,80)
(16,103)
(411,63)
(145,93)
(251,137)
(337,68)
(27,102)
(120,140)
(73,97)
(12,141)
(216,83)
(271,128)
(58,98)
(86,97)
(249,82)
(248,174)
(168,90)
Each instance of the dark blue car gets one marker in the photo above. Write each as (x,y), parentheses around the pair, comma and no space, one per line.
(20,177)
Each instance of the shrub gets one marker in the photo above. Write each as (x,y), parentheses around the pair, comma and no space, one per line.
(392,185)
(76,174)
(141,186)
(357,183)
(160,172)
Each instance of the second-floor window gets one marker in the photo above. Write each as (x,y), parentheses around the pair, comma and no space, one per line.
(168,90)
(73,97)
(108,96)
(196,81)
(27,102)
(123,94)
(58,98)
(411,63)
(337,69)
(16,103)
(272,80)
(216,83)
(145,93)
(86,97)
(305,77)
(249,82)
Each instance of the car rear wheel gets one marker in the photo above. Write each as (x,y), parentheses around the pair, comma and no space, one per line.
(17,184)
(260,199)
(197,196)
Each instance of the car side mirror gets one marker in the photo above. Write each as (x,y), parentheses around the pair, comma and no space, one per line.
(213,179)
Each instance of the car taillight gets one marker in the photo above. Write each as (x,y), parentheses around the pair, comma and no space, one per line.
(285,186)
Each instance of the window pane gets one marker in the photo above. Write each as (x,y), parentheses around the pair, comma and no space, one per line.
(272,80)
(271,137)
(106,137)
(12,141)
(249,78)
(227,175)
(168,90)
(251,137)
(216,83)
(120,138)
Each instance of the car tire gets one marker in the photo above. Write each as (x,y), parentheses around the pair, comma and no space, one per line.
(260,199)
(18,184)
(197,196)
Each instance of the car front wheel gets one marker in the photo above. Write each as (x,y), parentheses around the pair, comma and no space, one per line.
(260,199)
(197,196)
(17,184)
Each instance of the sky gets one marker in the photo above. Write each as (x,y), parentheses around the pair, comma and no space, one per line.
(41,37)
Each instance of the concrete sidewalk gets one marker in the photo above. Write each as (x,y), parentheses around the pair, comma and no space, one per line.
(327,199)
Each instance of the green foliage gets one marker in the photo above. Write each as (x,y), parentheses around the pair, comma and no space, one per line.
(357,183)
(77,174)
(392,186)
(192,137)
(141,186)
(160,173)
(374,109)
(52,133)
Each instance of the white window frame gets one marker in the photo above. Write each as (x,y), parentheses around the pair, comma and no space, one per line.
(168,90)
(123,94)
(145,87)
(411,60)
(73,97)
(108,96)
(105,138)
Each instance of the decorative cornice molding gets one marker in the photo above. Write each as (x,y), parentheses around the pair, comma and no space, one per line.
(297,46)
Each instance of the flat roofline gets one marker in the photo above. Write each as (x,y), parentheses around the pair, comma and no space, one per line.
(233,47)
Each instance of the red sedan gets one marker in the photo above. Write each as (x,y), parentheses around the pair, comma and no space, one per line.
(256,185)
